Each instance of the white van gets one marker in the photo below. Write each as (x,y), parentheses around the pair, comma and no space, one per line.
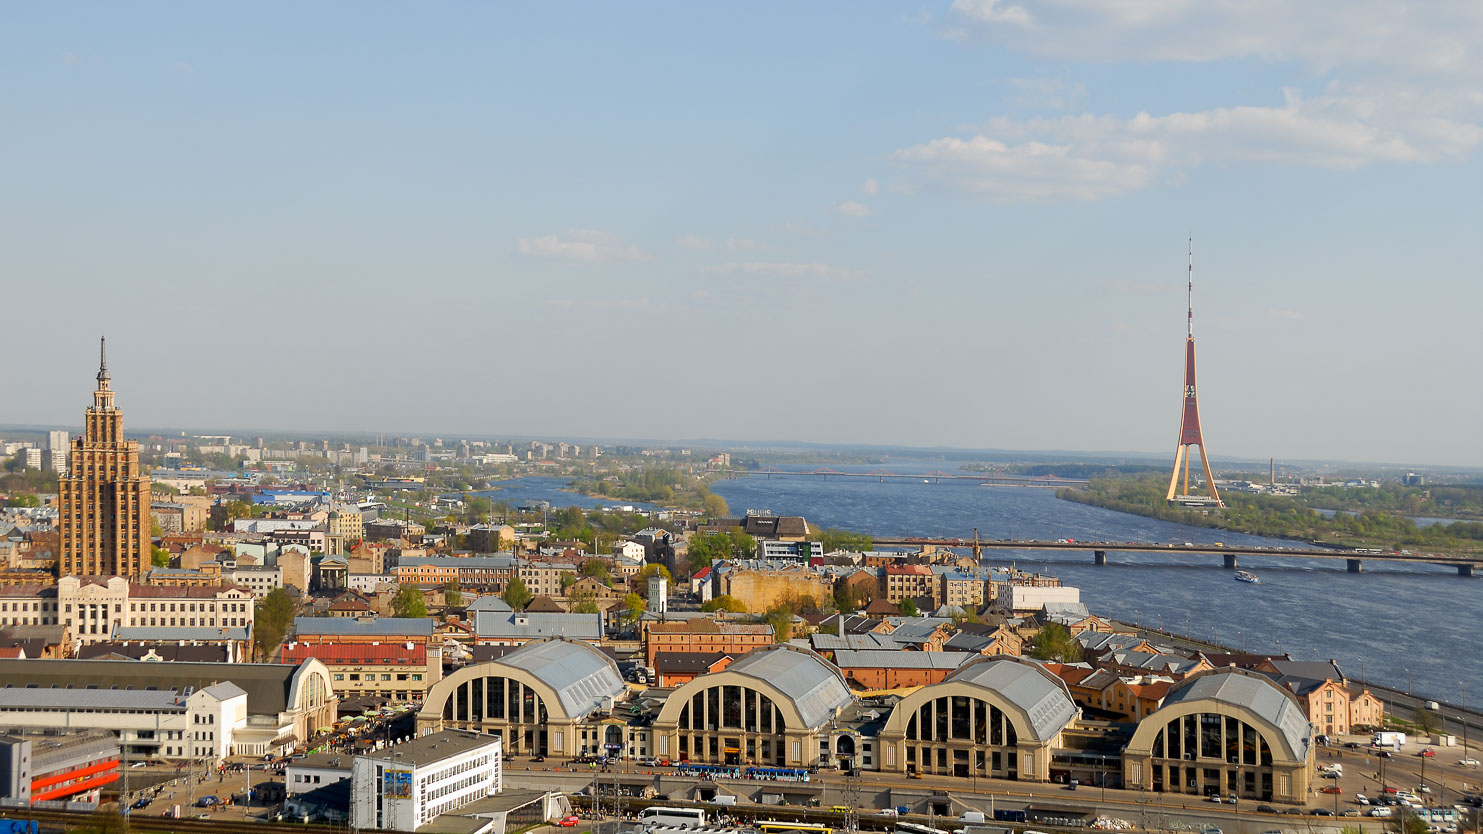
(973,817)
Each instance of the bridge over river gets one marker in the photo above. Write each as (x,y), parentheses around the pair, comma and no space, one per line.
(1355,559)
(1043,481)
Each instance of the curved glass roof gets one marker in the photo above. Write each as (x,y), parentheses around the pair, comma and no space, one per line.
(1042,696)
(583,677)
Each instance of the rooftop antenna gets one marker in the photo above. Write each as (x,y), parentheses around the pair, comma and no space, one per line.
(1191,318)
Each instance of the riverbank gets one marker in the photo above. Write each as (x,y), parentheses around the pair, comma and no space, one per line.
(1281,518)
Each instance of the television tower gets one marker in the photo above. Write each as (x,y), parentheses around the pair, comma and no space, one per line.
(1189,426)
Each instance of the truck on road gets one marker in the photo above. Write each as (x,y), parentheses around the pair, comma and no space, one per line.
(1388,739)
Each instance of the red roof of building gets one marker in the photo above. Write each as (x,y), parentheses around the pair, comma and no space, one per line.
(342,654)
(908,570)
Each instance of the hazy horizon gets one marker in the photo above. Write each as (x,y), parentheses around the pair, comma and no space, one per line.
(961,224)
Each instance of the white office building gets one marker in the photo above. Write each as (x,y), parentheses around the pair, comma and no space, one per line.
(407,785)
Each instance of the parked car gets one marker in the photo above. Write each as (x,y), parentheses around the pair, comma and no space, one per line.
(1361,799)
(1468,762)
(1331,789)
(1380,812)
(568,821)
(1265,809)
(1428,752)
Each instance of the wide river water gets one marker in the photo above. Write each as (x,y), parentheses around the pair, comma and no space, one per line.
(1406,626)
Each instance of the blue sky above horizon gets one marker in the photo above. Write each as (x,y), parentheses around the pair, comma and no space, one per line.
(938,224)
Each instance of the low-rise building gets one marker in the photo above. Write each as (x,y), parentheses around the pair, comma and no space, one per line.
(399,672)
(408,785)
(316,630)
(878,669)
(515,628)
(173,711)
(704,635)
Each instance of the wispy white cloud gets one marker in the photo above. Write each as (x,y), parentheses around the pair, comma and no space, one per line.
(1026,172)
(70,59)
(1404,89)
(1284,314)
(586,245)
(850,208)
(1089,157)
(1426,38)
(773,269)
(871,187)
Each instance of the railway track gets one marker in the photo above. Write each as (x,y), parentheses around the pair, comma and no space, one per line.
(110,823)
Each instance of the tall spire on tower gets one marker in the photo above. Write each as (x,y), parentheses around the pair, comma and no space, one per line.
(1189,425)
(102,361)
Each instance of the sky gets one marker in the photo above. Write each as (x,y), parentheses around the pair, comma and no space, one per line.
(948,223)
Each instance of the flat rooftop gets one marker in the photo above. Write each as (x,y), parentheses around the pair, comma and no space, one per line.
(431,748)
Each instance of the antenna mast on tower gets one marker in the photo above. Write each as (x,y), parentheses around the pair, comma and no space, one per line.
(1189,426)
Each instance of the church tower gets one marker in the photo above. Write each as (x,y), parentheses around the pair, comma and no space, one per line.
(104,497)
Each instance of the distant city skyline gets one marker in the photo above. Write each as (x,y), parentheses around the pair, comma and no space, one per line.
(958,224)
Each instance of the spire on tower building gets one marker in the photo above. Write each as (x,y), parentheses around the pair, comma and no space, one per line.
(1189,426)
(102,361)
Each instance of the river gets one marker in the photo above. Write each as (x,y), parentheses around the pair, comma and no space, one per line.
(1408,626)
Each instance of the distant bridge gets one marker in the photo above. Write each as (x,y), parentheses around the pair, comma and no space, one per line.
(1043,481)
(1355,559)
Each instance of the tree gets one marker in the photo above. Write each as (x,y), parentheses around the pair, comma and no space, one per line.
(850,598)
(1427,721)
(641,579)
(707,548)
(159,557)
(452,594)
(908,608)
(633,608)
(408,602)
(597,569)
(724,602)
(517,595)
(24,499)
(163,489)
(1054,642)
(236,509)
(273,616)
(780,617)
(1406,823)
(834,539)
(715,506)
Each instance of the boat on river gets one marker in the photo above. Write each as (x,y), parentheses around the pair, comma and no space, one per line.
(1243,576)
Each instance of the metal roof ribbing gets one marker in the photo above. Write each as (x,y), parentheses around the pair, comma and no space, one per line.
(70,699)
(845,658)
(583,677)
(414,626)
(1256,693)
(1042,696)
(816,688)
